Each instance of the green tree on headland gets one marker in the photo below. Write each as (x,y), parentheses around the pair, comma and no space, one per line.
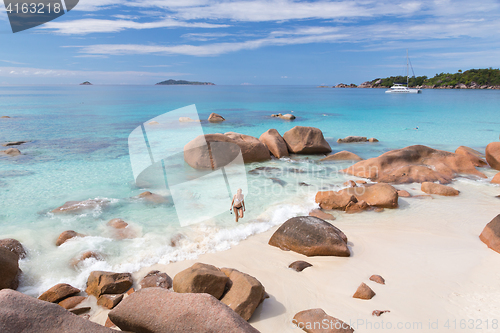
(479,77)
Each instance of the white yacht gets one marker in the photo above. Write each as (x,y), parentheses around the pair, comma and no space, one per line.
(400,88)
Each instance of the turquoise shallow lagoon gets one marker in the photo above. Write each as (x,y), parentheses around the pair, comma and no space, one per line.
(78,150)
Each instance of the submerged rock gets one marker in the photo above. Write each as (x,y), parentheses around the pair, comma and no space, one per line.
(86,255)
(310,236)
(77,207)
(274,142)
(157,310)
(313,321)
(14,143)
(215,118)
(352,139)
(67,235)
(343,155)
(201,278)
(414,164)
(22,313)
(306,140)
(152,197)
(11,152)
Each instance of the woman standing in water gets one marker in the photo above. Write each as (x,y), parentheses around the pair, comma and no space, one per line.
(238,204)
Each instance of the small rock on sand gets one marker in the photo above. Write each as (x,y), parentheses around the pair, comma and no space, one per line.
(58,292)
(403,194)
(491,234)
(156,279)
(377,278)
(311,321)
(364,292)
(299,265)
(321,214)
(378,313)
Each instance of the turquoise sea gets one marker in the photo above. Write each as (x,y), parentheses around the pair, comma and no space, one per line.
(78,150)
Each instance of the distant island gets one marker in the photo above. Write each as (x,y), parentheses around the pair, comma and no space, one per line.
(86,83)
(184,83)
(487,78)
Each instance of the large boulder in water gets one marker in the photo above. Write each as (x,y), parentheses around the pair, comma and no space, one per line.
(212,151)
(245,293)
(13,245)
(493,155)
(414,164)
(274,142)
(473,155)
(157,310)
(313,321)
(310,236)
(9,268)
(251,148)
(491,234)
(306,140)
(377,195)
(343,155)
(22,313)
(201,278)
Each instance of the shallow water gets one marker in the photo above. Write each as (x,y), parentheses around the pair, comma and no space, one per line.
(78,150)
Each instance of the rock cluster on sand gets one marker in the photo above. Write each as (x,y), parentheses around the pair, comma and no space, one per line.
(493,155)
(491,234)
(414,164)
(433,188)
(310,236)
(343,155)
(22,313)
(215,118)
(157,310)
(312,321)
(353,199)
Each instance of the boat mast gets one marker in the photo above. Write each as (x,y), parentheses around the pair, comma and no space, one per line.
(407,69)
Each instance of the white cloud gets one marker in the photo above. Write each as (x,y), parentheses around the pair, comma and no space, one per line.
(50,73)
(86,26)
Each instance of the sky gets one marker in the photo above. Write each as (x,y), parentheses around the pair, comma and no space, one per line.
(259,42)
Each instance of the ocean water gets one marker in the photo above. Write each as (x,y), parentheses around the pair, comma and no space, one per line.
(78,150)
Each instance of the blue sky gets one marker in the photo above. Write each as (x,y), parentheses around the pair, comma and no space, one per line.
(270,42)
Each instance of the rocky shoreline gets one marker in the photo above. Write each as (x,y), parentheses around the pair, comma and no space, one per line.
(205,297)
